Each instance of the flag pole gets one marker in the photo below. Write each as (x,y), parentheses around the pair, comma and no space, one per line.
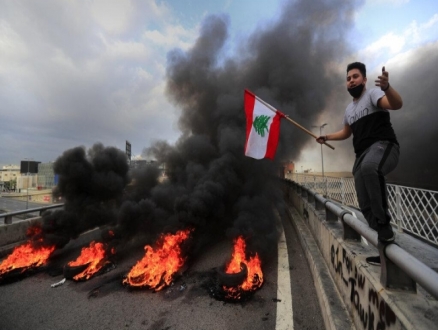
(292,121)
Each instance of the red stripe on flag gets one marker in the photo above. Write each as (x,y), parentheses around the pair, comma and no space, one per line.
(274,133)
(249,101)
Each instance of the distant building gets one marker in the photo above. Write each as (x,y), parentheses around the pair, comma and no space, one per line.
(137,164)
(28,174)
(26,181)
(9,174)
(289,167)
(141,163)
(46,176)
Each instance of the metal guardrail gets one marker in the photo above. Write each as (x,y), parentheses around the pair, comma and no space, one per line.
(8,216)
(413,210)
(399,269)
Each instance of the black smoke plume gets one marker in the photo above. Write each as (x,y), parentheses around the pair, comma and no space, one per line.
(211,186)
(416,123)
(91,187)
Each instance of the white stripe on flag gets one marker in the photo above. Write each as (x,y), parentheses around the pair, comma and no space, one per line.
(257,145)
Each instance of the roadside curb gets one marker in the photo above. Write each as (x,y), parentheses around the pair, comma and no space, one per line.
(334,312)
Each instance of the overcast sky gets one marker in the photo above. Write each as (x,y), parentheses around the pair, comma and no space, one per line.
(78,72)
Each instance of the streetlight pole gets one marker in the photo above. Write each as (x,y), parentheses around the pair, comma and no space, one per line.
(27,185)
(322,157)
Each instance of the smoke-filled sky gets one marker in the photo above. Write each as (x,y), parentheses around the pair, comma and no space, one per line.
(79,72)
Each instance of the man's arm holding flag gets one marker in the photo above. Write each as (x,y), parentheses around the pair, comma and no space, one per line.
(343,134)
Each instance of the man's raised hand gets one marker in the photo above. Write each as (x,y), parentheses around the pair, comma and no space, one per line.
(383,80)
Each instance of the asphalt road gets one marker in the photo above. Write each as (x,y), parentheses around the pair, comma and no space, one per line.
(104,303)
(10,205)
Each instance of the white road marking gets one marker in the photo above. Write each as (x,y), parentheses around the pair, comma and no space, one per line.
(284,293)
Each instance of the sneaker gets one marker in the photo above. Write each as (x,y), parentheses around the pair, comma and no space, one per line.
(373,260)
(385,233)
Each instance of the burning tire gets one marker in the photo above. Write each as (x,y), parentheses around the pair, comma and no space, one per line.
(16,274)
(72,271)
(232,280)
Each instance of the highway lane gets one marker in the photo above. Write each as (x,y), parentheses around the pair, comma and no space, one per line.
(104,303)
(10,205)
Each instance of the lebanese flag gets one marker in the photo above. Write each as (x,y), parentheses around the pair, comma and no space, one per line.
(262,127)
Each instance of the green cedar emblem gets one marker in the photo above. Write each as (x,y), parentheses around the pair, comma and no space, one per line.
(261,124)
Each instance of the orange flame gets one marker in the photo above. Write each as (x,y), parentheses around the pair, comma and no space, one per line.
(95,256)
(28,255)
(254,279)
(158,267)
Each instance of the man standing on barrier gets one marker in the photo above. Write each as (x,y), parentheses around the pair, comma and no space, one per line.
(375,145)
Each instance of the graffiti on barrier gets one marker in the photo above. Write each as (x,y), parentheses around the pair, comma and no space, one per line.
(374,312)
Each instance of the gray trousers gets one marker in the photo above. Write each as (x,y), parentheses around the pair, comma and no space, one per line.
(369,172)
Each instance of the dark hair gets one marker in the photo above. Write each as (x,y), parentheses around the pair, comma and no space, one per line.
(357,65)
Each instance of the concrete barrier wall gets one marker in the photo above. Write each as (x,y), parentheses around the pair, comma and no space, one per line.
(370,305)
(16,232)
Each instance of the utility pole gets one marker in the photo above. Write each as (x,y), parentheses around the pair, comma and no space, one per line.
(27,185)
